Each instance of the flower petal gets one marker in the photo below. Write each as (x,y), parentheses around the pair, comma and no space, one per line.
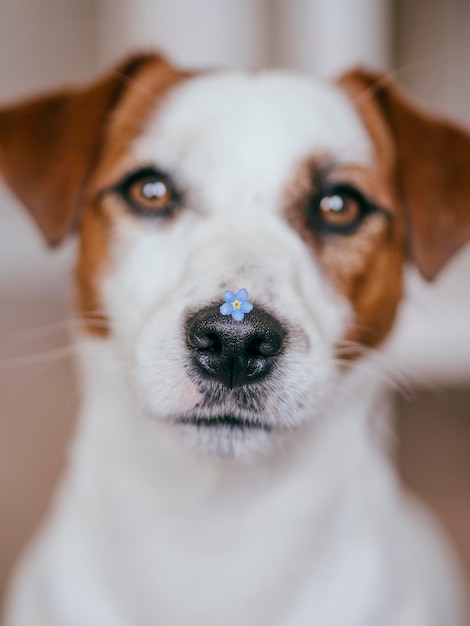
(229,296)
(242,295)
(226,308)
(238,315)
(246,307)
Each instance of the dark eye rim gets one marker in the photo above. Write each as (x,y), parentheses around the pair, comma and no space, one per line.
(147,174)
(340,189)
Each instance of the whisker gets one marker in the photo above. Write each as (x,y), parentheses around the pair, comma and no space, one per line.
(42,331)
(391,76)
(386,79)
(38,358)
(395,376)
(71,323)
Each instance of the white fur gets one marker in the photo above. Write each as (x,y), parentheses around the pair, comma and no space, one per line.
(158,523)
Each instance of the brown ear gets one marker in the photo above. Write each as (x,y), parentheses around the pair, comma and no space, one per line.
(432,168)
(49,145)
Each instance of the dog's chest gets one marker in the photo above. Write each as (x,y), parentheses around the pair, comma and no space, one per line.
(274,570)
(281,555)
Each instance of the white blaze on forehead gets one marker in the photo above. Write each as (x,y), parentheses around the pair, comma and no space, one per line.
(246,132)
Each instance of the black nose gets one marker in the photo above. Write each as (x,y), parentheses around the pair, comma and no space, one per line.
(234,353)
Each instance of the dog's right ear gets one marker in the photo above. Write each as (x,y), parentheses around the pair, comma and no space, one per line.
(431,166)
(49,145)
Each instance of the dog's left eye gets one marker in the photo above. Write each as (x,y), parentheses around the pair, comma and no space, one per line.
(149,192)
(339,209)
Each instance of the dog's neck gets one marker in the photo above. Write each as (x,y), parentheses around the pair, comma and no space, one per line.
(119,444)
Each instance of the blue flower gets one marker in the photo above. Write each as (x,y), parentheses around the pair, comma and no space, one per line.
(236,304)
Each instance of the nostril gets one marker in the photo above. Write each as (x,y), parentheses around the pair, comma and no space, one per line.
(265,346)
(214,344)
(205,342)
(260,347)
(254,349)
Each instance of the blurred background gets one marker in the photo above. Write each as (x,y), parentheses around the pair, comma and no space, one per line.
(46,43)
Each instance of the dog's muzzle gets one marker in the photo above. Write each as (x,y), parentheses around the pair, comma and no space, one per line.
(234,353)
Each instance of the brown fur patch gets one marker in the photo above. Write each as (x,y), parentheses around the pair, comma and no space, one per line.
(51,148)
(430,166)
(143,91)
(364,266)
(49,145)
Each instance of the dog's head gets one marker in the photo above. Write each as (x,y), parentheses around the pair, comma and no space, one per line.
(307,195)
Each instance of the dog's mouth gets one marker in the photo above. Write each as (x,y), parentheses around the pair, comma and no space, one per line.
(227,434)
(225,421)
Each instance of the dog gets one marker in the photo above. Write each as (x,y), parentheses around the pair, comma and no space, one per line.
(243,238)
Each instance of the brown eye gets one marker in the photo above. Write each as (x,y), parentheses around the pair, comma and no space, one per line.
(149,192)
(150,195)
(340,209)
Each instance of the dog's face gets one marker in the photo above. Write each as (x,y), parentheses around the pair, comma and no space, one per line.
(269,182)
(259,181)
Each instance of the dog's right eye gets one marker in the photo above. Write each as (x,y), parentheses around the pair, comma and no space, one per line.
(338,209)
(149,192)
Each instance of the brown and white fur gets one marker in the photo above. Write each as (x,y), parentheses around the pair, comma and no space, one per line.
(270,502)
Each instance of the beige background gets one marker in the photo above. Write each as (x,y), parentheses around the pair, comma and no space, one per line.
(44,43)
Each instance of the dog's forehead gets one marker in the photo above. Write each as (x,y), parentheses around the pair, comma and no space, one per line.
(252,128)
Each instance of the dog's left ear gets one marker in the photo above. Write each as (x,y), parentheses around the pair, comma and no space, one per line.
(49,145)
(431,163)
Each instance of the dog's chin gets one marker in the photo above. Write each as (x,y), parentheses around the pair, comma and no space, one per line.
(227,436)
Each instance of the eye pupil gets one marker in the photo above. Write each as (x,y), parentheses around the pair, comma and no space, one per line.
(332,203)
(149,192)
(338,209)
(152,190)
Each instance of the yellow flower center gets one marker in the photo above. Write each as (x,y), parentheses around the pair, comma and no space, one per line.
(236,304)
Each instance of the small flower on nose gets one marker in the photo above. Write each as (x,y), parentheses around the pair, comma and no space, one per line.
(236,304)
